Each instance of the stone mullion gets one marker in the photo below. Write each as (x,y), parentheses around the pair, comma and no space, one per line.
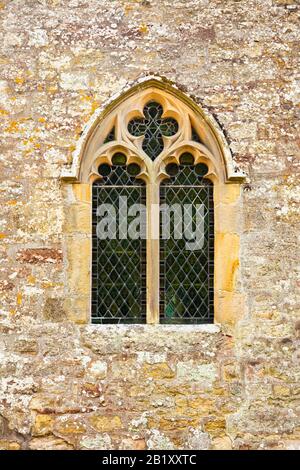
(152,250)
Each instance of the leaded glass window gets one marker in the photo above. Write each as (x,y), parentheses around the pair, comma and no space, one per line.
(152,157)
(155,146)
(119,265)
(118,262)
(186,275)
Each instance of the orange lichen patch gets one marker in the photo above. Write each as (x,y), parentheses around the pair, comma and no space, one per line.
(19,80)
(143,28)
(216,427)
(52,89)
(25,153)
(48,285)
(41,119)
(12,202)
(19,298)
(2,235)
(127,9)
(32,144)
(26,142)
(13,127)
(3,111)
(31,279)
(86,98)
(95,105)
(78,129)
(85,119)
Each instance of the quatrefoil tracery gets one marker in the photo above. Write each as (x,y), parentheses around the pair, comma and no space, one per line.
(153,127)
(151,130)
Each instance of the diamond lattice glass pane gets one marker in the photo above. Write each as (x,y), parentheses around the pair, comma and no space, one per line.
(186,279)
(119,265)
(153,127)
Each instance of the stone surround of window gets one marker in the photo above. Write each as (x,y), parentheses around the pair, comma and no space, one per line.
(106,134)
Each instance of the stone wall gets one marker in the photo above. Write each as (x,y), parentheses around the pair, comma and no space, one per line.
(65,385)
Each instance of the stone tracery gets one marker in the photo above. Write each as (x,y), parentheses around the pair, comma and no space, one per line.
(191,132)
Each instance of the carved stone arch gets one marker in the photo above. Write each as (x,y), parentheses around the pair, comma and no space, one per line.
(198,132)
(117,112)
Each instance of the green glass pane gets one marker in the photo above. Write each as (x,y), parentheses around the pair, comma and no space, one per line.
(133,169)
(104,169)
(118,266)
(119,159)
(201,169)
(172,169)
(187,275)
(186,159)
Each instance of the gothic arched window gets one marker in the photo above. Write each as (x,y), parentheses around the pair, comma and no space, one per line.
(159,171)
(118,260)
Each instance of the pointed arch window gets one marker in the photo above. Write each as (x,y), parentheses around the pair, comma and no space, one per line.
(174,278)
(158,150)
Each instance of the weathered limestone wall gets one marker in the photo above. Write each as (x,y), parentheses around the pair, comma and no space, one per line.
(68,385)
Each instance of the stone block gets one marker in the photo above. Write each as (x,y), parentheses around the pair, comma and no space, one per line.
(82,192)
(97,369)
(106,423)
(205,374)
(98,442)
(77,309)
(6,444)
(71,426)
(158,371)
(39,255)
(227,259)
(54,310)
(78,219)
(26,345)
(49,443)
(78,271)
(43,425)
